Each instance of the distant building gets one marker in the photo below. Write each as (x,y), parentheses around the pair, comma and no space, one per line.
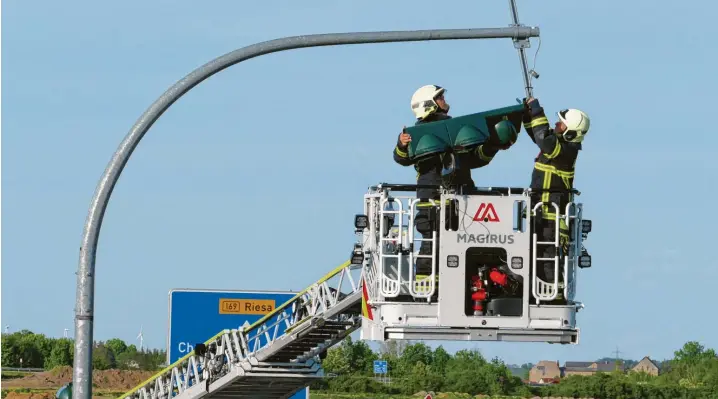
(545,370)
(591,368)
(648,366)
(578,368)
(550,372)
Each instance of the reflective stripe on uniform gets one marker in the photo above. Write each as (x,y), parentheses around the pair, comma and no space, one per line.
(561,222)
(552,169)
(538,121)
(426,280)
(430,203)
(483,156)
(549,171)
(400,152)
(555,152)
(545,196)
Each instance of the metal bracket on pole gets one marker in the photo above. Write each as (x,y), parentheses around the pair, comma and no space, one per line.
(520,44)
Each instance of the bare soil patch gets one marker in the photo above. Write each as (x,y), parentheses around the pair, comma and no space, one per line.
(114,380)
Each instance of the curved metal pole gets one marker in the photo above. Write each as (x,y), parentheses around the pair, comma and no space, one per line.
(84,305)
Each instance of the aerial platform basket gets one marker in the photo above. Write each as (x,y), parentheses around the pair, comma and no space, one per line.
(481,284)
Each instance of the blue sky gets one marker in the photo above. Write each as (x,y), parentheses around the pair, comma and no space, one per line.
(209,198)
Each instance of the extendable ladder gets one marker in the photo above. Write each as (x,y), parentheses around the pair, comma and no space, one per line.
(393,250)
(545,290)
(260,361)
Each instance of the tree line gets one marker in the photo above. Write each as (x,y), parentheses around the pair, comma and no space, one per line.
(415,367)
(412,368)
(29,350)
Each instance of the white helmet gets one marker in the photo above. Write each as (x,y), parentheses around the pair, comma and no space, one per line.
(422,102)
(577,124)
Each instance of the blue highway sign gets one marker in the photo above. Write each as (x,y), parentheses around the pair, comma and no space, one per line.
(197,315)
(380,367)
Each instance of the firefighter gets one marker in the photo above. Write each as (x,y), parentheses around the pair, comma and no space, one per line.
(553,170)
(429,105)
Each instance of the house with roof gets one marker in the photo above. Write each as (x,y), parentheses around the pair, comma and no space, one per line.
(545,371)
(550,372)
(646,365)
(590,368)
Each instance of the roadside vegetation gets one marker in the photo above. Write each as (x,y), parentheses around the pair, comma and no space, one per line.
(414,370)
(691,373)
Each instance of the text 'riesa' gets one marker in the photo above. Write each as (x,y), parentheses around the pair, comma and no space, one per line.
(246,306)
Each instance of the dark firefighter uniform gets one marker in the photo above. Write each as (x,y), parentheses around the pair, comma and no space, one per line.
(553,170)
(429,173)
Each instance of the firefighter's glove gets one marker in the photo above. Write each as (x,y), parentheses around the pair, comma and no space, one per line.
(506,146)
(532,103)
(404,139)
